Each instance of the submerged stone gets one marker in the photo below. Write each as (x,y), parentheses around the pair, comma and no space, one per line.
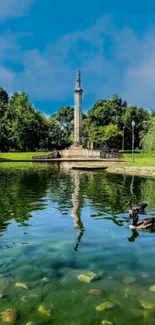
(145,275)
(105,305)
(45,280)
(30,298)
(44,311)
(95,292)
(88,277)
(21,285)
(147,305)
(24,299)
(9,315)
(106,322)
(129,280)
(152,288)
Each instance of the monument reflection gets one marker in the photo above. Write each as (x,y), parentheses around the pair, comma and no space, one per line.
(76,212)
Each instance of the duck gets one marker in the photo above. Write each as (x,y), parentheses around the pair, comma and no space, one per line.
(147,223)
(139,208)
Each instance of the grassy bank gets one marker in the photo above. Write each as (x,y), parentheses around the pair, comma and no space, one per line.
(141,159)
(20,155)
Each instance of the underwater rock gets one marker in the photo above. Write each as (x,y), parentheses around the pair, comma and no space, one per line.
(24,299)
(45,280)
(145,275)
(152,288)
(88,277)
(9,315)
(147,305)
(129,280)
(21,285)
(95,292)
(29,298)
(105,305)
(44,311)
(106,322)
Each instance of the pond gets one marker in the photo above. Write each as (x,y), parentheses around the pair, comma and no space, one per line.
(57,225)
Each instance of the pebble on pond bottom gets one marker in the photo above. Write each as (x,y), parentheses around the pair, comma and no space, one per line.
(105,305)
(44,311)
(21,285)
(95,292)
(88,277)
(129,280)
(9,315)
(147,305)
(152,288)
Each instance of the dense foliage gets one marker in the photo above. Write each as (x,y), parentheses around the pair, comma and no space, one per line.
(108,122)
(148,140)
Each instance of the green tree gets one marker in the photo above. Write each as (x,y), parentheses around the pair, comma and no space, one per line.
(65,116)
(113,136)
(4,99)
(19,115)
(148,142)
(141,118)
(105,112)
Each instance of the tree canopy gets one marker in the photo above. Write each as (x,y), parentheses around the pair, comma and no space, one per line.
(23,128)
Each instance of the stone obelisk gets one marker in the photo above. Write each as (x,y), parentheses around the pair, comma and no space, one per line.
(78,92)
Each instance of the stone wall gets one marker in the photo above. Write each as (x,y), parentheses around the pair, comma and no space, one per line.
(79,153)
(52,155)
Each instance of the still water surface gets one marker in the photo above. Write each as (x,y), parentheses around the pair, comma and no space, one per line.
(55,225)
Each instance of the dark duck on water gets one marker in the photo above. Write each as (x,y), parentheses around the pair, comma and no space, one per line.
(138,208)
(147,223)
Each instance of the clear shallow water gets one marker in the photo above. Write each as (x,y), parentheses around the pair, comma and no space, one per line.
(56,225)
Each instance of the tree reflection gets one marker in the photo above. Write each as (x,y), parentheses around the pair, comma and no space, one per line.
(23,192)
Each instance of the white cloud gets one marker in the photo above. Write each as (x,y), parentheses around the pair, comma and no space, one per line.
(127,68)
(13,8)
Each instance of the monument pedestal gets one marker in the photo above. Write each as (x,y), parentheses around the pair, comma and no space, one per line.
(79,152)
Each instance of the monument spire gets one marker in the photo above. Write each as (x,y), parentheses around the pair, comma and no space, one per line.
(78,80)
(78,92)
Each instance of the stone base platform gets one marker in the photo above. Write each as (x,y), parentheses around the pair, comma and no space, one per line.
(74,153)
(79,152)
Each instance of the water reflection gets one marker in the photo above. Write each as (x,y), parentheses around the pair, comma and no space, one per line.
(24,192)
(134,235)
(41,213)
(78,224)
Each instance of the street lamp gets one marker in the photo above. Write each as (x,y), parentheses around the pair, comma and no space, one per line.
(123,138)
(133,139)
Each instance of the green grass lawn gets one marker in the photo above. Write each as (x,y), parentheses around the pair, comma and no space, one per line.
(141,159)
(21,155)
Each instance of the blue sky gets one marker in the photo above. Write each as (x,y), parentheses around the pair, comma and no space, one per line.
(43,43)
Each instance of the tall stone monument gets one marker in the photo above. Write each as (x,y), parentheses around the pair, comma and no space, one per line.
(76,151)
(78,92)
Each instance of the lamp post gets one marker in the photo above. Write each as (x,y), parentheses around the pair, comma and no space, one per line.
(133,140)
(123,138)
